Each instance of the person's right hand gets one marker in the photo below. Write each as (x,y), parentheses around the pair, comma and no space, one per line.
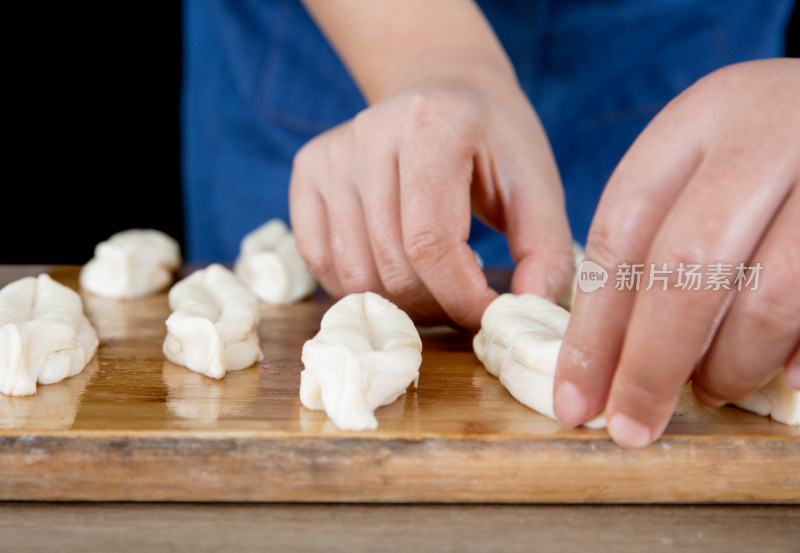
(383,201)
(713,181)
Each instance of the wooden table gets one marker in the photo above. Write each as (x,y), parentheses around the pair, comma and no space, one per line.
(439,528)
(134,427)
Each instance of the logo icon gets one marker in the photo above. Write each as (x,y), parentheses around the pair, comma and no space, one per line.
(591,276)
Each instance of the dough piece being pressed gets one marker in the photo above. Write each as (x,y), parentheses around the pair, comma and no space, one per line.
(271,267)
(131,264)
(365,355)
(212,328)
(775,399)
(44,335)
(518,342)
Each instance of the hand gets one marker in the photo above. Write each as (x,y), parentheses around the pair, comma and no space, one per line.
(714,178)
(383,201)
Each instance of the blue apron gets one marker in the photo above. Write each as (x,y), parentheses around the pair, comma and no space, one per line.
(260,80)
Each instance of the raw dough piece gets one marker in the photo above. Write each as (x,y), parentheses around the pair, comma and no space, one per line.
(775,399)
(365,355)
(44,335)
(519,341)
(271,267)
(212,329)
(521,336)
(131,264)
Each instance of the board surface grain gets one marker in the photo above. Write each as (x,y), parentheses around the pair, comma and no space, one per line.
(133,426)
(87,527)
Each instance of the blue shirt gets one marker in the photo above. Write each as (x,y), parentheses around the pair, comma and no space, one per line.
(260,80)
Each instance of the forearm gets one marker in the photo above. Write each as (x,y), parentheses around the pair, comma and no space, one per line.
(388,44)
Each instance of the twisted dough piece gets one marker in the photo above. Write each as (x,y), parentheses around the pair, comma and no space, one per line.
(131,264)
(518,342)
(212,329)
(271,267)
(775,399)
(44,335)
(365,355)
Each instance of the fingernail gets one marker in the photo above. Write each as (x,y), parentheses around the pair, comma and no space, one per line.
(707,398)
(570,405)
(628,432)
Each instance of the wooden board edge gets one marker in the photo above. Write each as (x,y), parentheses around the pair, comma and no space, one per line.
(676,470)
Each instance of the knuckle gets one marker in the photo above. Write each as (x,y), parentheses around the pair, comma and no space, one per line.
(400,284)
(431,111)
(683,253)
(331,148)
(304,157)
(425,247)
(337,152)
(364,124)
(774,306)
(368,136)
(426,107)
(605,248)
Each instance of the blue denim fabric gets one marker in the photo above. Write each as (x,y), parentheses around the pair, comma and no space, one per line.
(260,80)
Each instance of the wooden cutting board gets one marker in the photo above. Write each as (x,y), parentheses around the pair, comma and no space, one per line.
(134,426)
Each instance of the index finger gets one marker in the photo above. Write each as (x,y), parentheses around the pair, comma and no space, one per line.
(436,173)
(631,209)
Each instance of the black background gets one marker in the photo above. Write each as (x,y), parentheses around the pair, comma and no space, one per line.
(92,129)
(95,128)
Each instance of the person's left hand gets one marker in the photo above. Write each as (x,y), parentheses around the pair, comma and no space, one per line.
(715,178)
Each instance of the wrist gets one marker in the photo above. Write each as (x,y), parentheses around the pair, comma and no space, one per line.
(445,65)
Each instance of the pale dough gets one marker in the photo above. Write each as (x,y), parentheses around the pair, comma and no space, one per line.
(365,355)
(775,399)
(131,264)
(271,267)
(518,342)
(212,328)
(44,335)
